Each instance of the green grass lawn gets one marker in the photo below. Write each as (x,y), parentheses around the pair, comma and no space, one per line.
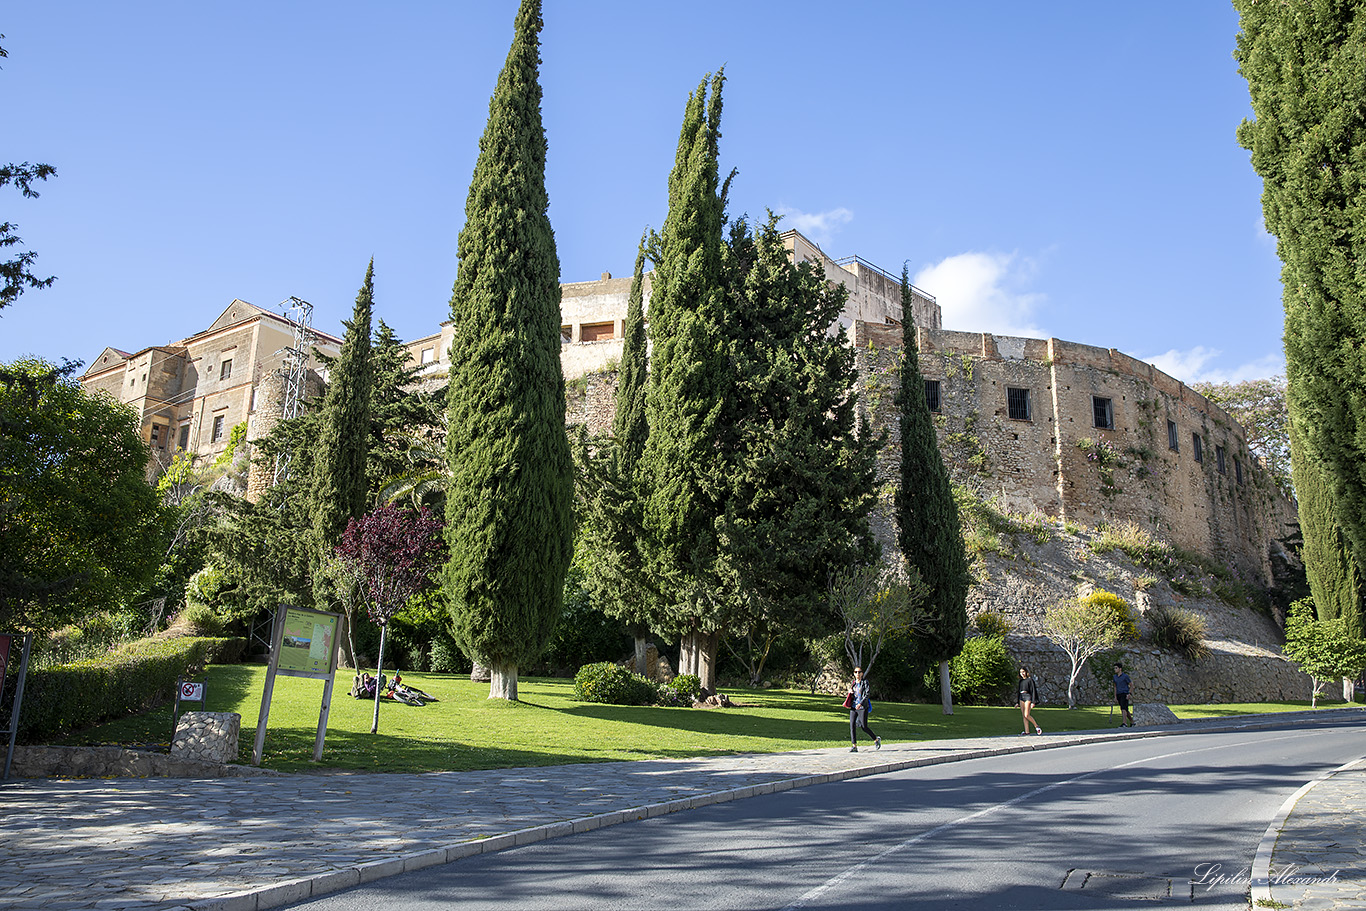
(465,730)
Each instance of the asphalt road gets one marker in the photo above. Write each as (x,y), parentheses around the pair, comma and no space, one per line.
(1113,825)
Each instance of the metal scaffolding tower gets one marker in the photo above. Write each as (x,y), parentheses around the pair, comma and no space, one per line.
(294,371)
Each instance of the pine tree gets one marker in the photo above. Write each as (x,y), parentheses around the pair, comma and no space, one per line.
(400,414)
(928,532)
(509,508)
(679,471)
(339,489)
(800,463)
(1305,65)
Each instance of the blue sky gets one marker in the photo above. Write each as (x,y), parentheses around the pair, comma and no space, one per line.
(1065,168)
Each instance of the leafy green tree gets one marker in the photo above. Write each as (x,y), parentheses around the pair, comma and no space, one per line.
(1260,406)
(510,523)
(680,470)
(928,531)
(1323,649)
(16,273)
(875,601)
(338,491)
(1082,630)
(82,530)
(1305,65)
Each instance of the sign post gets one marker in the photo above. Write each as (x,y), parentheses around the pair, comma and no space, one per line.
(6,642)
(186,691)
(304,645)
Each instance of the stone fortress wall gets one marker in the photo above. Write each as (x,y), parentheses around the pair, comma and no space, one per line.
(1088,435)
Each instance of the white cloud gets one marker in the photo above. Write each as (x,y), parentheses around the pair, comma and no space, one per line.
(818,226)
(983,292)
(1195,365)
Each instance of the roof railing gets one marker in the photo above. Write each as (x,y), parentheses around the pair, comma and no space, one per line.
(895,279)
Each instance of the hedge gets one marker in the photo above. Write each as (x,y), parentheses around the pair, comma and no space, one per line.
(139,676)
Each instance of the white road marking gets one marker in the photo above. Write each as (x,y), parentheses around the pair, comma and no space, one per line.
(820,890)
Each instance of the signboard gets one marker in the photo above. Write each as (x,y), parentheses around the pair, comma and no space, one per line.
(304,645)
(307,643)
(191,692)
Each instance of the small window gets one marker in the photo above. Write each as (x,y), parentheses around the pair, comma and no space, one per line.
(217,429)
(1237,470)
(1197,448)
(1104,412)
(596,332)
(1173,440)
(1017,404)
(185,436)
(428,355)
(1219,460)
(932,396)
(225,370)
(156,437)
(566,333)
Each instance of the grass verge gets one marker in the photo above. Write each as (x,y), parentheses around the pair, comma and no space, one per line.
(465,730)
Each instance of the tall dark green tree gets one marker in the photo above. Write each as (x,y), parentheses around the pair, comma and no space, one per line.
(611,508)
(1305,65)
(679,471)
(1334,577)
(509,507)
(339,488)
(800,464)
(928,532)
(402,415)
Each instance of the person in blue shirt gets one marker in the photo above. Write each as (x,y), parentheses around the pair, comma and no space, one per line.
(860,702)
(1122,687)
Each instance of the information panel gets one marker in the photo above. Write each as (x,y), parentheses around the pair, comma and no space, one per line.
(307,643)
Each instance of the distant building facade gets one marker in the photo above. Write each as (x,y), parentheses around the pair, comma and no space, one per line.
(191,393)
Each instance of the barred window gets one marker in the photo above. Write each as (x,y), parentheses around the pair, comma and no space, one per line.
(217,429)
(1219,459)
(932,395)
(1017,404)
(1197,448)
(1237,470)
(1173,440)
(1104,412)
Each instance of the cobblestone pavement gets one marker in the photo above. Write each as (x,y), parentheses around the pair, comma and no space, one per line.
(1319,859)
(241,844)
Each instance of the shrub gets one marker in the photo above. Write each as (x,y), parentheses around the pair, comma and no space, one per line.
(993,623)
(612,684)
(197,620)
(447,657)
(1101,600)
(982,672)
(1131,539)
(134,678)
(1179,630)
(689,685)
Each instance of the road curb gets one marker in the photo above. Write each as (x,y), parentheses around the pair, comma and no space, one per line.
(1261,862)
(318,885)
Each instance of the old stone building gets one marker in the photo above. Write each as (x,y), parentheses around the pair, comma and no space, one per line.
(191,393)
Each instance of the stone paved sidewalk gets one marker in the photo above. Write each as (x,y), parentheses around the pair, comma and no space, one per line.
(242,844)
(1323,839)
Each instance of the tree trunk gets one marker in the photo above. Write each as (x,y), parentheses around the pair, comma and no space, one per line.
(945,688)
(1072,684)
(643,657)
(707,644)
(351,640)
(503,682)
(479,674)
(687,654)
(379,677)
(1349,690)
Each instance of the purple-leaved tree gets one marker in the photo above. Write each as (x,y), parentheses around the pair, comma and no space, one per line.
(393,553)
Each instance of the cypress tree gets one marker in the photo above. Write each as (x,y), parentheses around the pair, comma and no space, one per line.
(339,489)
(629,427)
(1305,65)
(400,414)
(679,471)
(1334,579)
(509,507)
(928,532)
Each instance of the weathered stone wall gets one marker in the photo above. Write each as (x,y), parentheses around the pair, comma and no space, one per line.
(1058,462)
(206,736)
